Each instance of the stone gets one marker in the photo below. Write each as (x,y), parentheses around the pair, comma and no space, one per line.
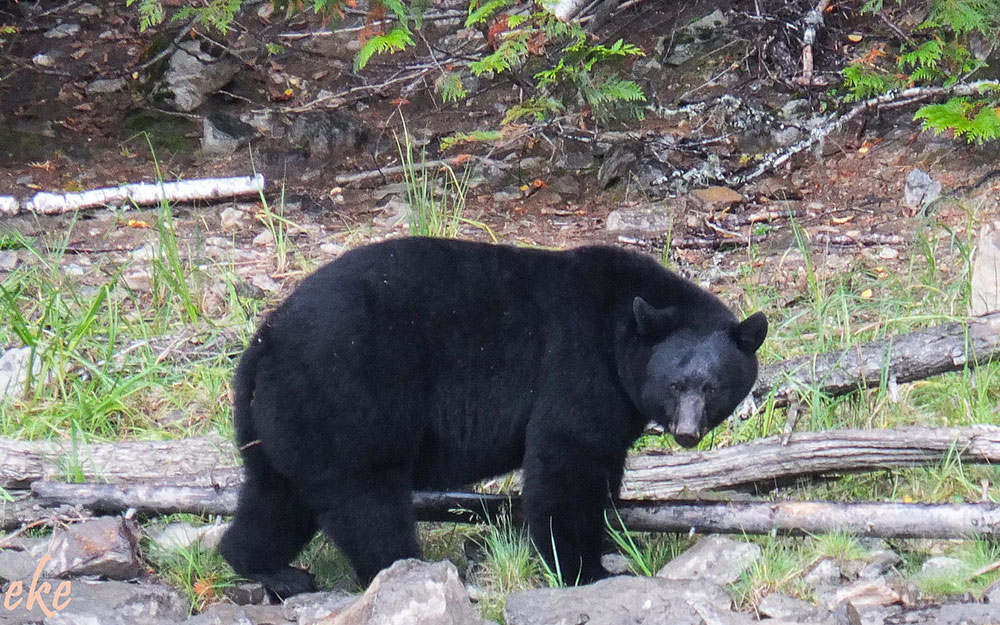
(714,558)
(943,567)
(250,593)
(327,133)
(779,606)
(222,135)
(87,10)
(879,563)
(616,564)
(16,564)
(8,259)
(649,219)
(716,197)
(43,60)
(969,614)
(105,85)
(986,271)
(104,603)
(846,614)
(139,280)
(616,165)
(992,594)
(264,238)
(411,592)
(633,600)
(864,592)
(395,211)
(576,160)
(194,72)
(825,574)
(313,606)
(233,219)
(14,371)
(176,536)
(62,31)
(229,614)
(105,546)
(920,189)
(265,282)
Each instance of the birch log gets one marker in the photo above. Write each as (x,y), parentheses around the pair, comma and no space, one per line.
(898,520)
(140,193)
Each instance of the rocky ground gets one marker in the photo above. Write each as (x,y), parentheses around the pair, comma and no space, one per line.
(84,96)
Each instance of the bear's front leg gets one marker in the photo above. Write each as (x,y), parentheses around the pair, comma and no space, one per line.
(566,490)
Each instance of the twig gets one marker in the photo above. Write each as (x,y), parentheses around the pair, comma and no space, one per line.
(371,174)
(812,20)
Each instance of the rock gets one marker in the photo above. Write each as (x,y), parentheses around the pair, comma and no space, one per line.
(87,10)
(649,219)
(8,260)
(786,136)
(986,271)
(395,212)
(228,614)
(714,558)
(332,250)
(566,185)
(992,594)
(944,567)
(265,282)
(508,194)
(920,189)
(104,603)
(264,238)
(879,563)
(223,134)
(864,592)
(969,614)
(105,85)
(16,564)
(43,60)
(233,219)
(575,159)
(411,592)
(194,72)
(779,606)
(326,133)
(615,165)
(250,593)
(846,614)
(139,280)
(825,574)
(313,606)
(14,371)
(105,546)
(177,536)
(717,198)
(62,31)
(633,600)
(616,564)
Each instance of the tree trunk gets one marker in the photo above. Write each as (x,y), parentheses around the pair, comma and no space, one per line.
(898,520)
(653,475)
(202,461)
(904,358)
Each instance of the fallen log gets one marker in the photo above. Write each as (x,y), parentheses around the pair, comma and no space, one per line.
(652,474)
(659,475)
(885,520)
(904,358)
(139,193)
(199,461)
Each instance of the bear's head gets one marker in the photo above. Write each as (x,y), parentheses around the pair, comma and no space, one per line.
(697,373)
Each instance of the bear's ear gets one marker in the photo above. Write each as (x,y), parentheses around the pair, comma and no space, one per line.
(653,320)
(750,333)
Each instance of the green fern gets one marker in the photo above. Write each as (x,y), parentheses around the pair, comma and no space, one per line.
(150,13)
(973,120)
(450,87)
(509,54)
(475,136)
(395,40)
(539,108)
(965,16)
(482,12)
(864,81)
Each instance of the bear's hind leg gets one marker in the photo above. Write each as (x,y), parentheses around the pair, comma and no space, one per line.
(370,519)
(270,528)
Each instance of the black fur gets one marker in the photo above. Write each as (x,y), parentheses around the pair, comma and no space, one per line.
(430,364)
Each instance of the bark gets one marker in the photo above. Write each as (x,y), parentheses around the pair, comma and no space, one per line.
(898,359)
(140,193)
(662,476)
(896,520)
(201,461)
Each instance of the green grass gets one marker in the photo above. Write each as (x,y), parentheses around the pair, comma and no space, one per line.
(200,573)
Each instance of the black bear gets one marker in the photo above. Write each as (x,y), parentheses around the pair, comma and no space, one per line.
(424,363)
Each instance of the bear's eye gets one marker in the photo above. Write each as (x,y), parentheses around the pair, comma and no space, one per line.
(675,386)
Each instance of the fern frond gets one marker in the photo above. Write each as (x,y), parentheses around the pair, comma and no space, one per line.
(450,87)
(395,40)
(484,11)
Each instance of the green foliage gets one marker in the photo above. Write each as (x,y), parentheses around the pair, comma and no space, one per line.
(150,12)
(470,137)
(450,87)
(943,58)
(479,13)
(972,119)
(397,39)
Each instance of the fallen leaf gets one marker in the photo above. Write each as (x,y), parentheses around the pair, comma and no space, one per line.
(539,183)
(841,220)
(867,294)
(137,223)
(855,37)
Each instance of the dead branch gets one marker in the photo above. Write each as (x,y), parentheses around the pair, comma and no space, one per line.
(141,194)
(787,517)
(652,475)
(904,358)
(813,20)
(833,122)
(395,170)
